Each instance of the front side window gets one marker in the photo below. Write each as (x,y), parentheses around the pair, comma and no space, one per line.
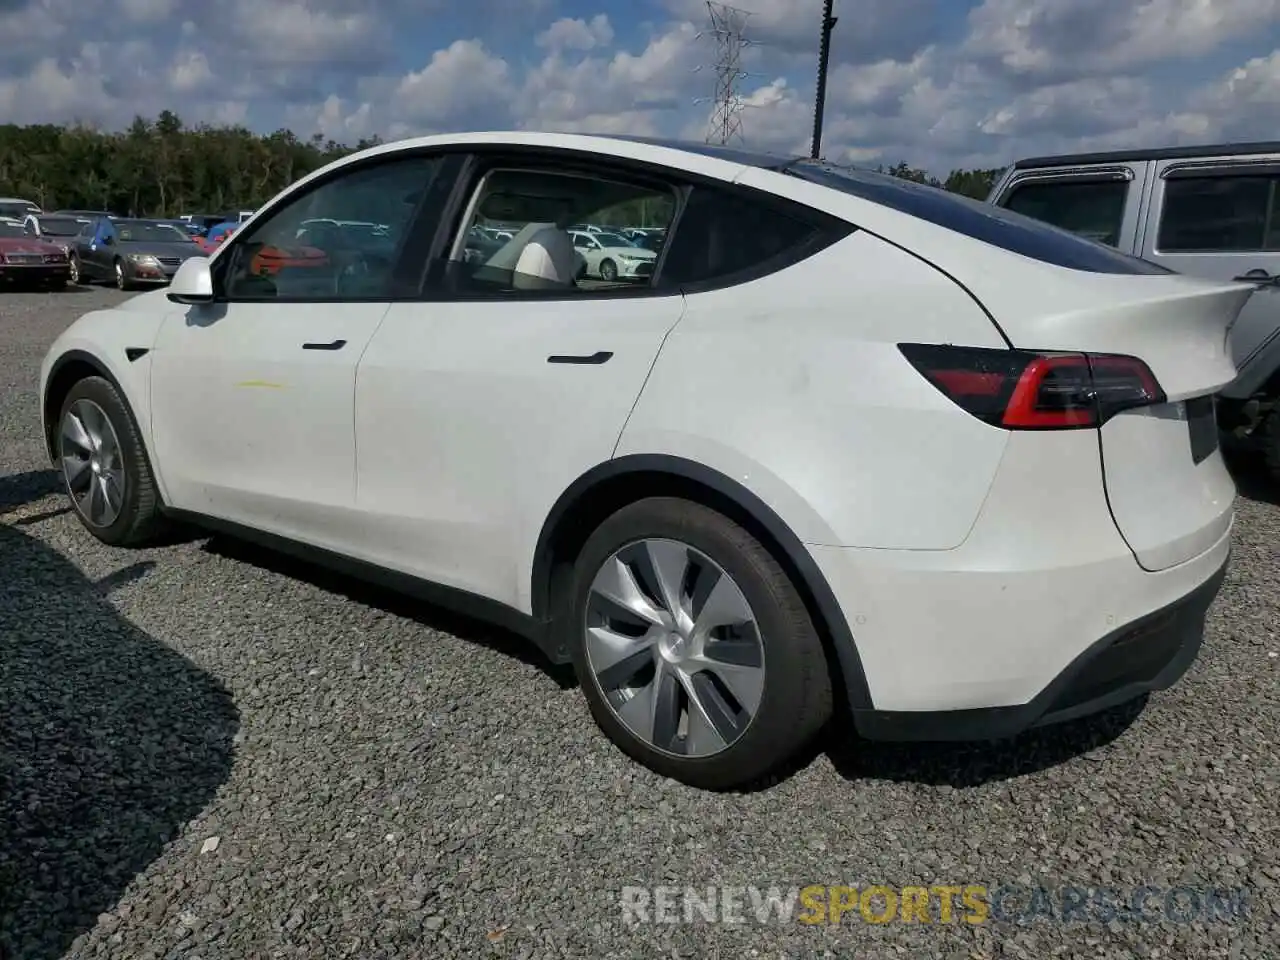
(1093,209)
(339,240)
(527,233)
(1219,214)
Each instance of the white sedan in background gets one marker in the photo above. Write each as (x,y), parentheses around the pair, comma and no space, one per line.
(854,437)
(611,256)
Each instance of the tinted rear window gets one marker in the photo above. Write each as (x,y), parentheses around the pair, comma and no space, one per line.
(973,218)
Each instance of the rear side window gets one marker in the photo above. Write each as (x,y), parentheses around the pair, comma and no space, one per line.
(1093,209)
(982,221)
(723,236)
(1217,214)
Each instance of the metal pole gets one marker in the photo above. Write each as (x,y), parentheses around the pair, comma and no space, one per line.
(824,55)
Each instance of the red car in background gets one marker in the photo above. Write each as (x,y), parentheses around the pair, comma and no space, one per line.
(27,261)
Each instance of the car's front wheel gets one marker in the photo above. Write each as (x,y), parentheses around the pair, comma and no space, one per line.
(695,652)
(105,466)
(122,276)
(74,263)
(609,271)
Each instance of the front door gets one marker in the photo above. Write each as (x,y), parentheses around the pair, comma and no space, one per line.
(252,394)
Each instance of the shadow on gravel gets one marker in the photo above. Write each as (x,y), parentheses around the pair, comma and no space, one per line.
(436,618)
(109,742)
(1253,481)
(20,489)
(962,765)
(1257,485)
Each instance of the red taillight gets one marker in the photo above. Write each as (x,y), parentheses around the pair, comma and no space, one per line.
(1025,390)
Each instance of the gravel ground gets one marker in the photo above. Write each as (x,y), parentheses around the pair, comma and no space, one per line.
(208,753)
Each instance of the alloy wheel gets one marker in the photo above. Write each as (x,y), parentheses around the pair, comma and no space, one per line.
(675,648)
(74,266)
(92,464)
(120,282)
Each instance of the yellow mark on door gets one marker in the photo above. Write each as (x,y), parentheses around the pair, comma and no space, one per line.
(261,383)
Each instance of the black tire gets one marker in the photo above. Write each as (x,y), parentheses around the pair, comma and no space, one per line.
(608,270)
(1271,443)
(140,521)
(77,275)
(797,696)
(122,276)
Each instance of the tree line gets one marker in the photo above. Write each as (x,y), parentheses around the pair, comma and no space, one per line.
(163,168)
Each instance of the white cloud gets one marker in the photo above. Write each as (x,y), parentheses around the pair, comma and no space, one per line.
(460,80)
(1015,77)
(1082,36)
(146,11)
(190,71)
(577,34)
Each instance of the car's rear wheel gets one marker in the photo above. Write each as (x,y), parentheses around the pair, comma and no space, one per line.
(105,467)
(694,650)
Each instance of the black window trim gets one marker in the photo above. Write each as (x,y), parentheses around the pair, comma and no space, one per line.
(433,226)
(226,255)
(1068,175)
(1221,168)
(828,228)
(1217,169)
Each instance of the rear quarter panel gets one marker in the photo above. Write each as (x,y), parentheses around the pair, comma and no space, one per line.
(793,386)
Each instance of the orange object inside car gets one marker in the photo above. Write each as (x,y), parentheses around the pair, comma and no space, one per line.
(271,260)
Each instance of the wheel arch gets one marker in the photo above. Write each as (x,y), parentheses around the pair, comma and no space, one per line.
(610,486)
(68,370)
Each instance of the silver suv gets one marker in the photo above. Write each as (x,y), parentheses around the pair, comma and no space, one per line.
(1206,211)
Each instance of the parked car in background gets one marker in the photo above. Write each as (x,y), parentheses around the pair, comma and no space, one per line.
(17,209)
(130,252)
(611,256)
(219,232)
(1209,211)
(27,261)
(202,221)
(57,229)
(854,436)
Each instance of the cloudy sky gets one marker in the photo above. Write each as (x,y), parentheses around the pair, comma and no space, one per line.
(938,83)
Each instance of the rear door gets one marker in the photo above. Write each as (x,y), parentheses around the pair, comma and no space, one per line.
(1219,218)
(478,406)
(1101,203)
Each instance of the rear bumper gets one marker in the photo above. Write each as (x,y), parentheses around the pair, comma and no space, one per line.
(1042,613)
(1149,654)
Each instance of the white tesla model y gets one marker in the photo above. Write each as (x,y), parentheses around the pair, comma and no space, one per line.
(850,438)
